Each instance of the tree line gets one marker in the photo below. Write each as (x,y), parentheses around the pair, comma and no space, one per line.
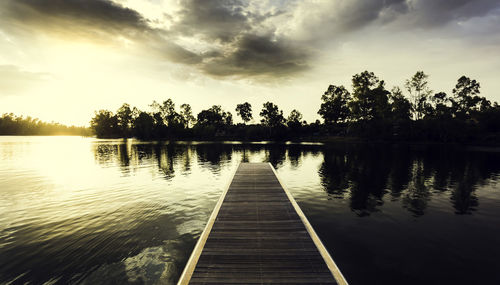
(11,124)
(369,110)
(164,120)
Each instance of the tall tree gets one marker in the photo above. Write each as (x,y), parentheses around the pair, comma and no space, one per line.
(271,115)
(294,117)
(124,117)
(170,116)
(294,120)
(165,111)
(228,118)
(370,98)
(441,106)
(144,126)
(334,108)
(419,91)
(215,116)
(244,111)
(105,124)
(186,114)
(159,122)
(465,96)
(400,106)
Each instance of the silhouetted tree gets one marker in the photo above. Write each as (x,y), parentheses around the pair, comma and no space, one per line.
(419,91)
(165,114)
(160,129)
(124,117)
(215,116)
(144,126)
(272,118)
(442,108)
(105,124)
(244,111)
(294,121)
(172,118)
(271,115)
(228,119)
(400,106)
(187,117)
(334,108)
(295,117)
(465,97)
(370,98)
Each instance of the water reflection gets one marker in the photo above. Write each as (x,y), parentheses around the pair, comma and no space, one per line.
(131,211)
(213,156)
(366,174)
(363,174)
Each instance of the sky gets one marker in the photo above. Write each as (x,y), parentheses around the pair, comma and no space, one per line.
(61,60)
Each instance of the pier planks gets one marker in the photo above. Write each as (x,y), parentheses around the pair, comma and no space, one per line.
(257,234)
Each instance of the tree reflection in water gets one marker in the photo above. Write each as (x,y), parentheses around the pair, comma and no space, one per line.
(364,174)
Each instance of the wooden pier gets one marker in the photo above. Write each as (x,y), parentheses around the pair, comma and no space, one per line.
(257,234)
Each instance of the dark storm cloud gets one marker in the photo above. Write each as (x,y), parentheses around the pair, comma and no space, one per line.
(221,20)
(245,51)
(259,56)
(235,38)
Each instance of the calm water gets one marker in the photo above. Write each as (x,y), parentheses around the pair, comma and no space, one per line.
(82,210)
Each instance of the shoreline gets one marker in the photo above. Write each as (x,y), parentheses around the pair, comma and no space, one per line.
(325,140)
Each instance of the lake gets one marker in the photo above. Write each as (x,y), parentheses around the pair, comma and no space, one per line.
(91,211)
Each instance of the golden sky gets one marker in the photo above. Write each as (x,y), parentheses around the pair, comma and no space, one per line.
(63,59)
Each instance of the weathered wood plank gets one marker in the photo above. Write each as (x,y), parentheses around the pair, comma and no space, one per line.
(257,234)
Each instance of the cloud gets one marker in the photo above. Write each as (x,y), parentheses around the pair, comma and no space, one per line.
(230,23)
(235,38)
(92,16)
(259,56)
(428,13)
(239,43)
(93,20)
(214,20)
(319,21)
(14,80)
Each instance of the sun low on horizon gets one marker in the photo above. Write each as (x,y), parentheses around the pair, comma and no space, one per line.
(61,60)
